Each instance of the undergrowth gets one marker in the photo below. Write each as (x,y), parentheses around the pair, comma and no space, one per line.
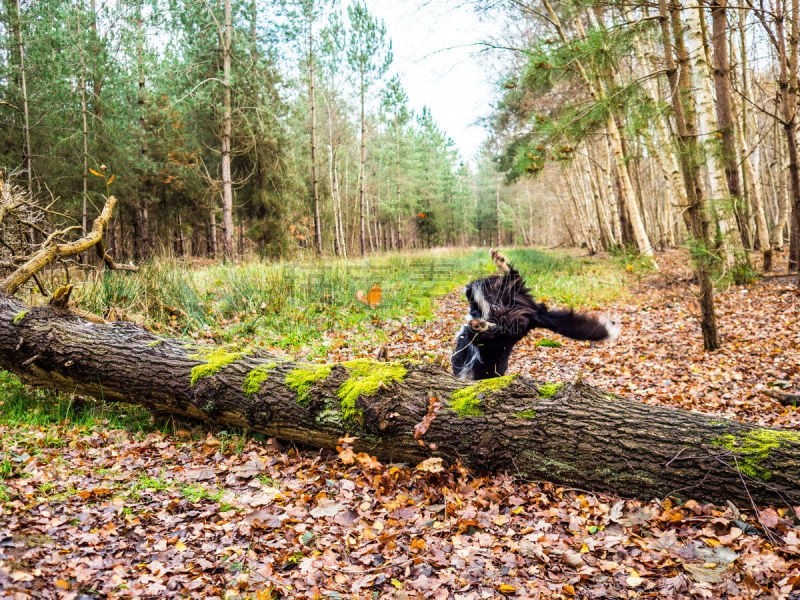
(294,306)
(20,404)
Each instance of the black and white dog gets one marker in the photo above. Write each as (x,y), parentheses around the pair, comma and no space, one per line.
(502,312)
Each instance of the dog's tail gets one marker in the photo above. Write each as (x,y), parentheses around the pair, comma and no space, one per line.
(578,326)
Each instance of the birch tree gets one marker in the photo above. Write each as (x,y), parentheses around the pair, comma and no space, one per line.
(780,24)
(679,74)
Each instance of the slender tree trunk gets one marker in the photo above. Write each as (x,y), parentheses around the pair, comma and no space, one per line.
(15,21)
(498,240)
(579,210)
(628,196)
(680,80)
(142,201)
(726,119)
(312,99)
(789,97)
(213,241)
(600,205)
(750,153)
(362,163)
(227,182)
(84,122)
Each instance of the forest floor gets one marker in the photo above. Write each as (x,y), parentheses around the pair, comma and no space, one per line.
(99,512)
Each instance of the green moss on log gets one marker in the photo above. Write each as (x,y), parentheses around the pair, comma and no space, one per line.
(529,413)
(215,360)
(367,376)
(753,447)
(253,380)
(548,390)
(302,379)
(468,401)
(20,315)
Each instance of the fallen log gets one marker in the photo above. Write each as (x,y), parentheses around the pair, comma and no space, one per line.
(571,434)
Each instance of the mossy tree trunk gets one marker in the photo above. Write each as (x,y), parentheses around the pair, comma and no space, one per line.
(572,434)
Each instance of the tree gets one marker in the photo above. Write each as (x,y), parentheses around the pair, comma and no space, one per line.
(726,120)
(15,27)
(395,102)
(781,23)
(369,56)
(586,62)
(306,14)
(679,74)
(226,36)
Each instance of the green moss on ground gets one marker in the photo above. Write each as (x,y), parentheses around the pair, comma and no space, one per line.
(253,380)
(753,447)
(467,401)
(367,376)
(215,360)
(20,315)
(302,379)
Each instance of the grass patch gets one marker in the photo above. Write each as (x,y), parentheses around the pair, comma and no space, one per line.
(23,405)
(304,306)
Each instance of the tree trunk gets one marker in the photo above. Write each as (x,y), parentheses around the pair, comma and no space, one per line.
(15,20)
(227,183)
(84,127)
(144,183)
(362,163)
(312,100)
(579,436)
(697,218)
(750,152)
(725,117)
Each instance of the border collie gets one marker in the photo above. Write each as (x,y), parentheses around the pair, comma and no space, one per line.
(502,312)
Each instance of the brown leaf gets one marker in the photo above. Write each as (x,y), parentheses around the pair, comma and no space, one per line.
(422,427)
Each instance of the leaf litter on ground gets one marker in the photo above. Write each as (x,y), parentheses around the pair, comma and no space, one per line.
(113,514)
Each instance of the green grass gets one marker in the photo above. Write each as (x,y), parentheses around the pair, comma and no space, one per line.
(285,305)
(292,306)
(20,404)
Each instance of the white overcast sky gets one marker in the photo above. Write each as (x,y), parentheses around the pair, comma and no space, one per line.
(436,44)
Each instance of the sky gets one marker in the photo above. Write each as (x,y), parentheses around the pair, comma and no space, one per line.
(437,53)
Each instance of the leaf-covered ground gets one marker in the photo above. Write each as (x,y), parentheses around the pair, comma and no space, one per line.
(105,513)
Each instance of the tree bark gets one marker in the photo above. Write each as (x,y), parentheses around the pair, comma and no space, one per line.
(312,100)
(580,436)
(227,181)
